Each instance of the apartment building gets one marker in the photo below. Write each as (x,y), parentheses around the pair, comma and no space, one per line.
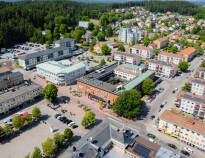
(66,42)
(161,42)
(186,130)
(191,103)
(200,73)
(142,51)
(29,61)
(61,72)
(128,35)
(197,86)
(4,71)
(19,96)
(126,57)
(162,68)
(171,58)
(189,53)
(10,79)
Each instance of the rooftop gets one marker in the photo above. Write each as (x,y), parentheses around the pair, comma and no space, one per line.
(42,53)
(141,47)
(63,66)
(162,39)
(161,62)
(197,80)
(172,55)
(11,75)
(136,81)
(182,121)
(64,40)
(126,54)
(4,70)
(20,90)
(188,51)
(136,67)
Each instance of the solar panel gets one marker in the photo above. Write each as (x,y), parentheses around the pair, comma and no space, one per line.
(142,151)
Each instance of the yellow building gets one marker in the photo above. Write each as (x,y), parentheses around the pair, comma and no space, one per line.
(189,53)
(161,42)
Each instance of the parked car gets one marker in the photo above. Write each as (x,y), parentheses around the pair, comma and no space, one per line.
(152,117)
(74,126)
(161,89)
(164,102)
(70,124)
(151,135)
(172,146)
(56,115)
(185,152)
(188,150)
(68,121)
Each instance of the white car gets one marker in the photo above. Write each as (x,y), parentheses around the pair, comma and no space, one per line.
(70,124)
(188,150)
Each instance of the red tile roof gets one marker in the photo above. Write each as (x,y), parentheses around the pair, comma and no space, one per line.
(141,47)
(188,51)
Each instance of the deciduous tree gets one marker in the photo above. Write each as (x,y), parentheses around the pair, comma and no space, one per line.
(88,119)
(50,92)
(147,86)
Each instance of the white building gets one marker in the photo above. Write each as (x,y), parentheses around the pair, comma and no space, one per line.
(128,35)
(192,104)
(197,86)
(171,58)
(83,24)
(200,73)
(162,68)
(61,72)
(142,51)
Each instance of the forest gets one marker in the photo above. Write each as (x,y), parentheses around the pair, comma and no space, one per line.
(25,20)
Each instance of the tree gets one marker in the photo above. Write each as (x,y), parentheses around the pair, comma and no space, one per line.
(183,66)
(27,156)
(63,28)
(68,134)
(17,122)
(78,101)
(102,62)
(202,64)
(37,153)
(58,139)
(36,112)
(49,147)
(156,52)
(88,119)
(100,36)
(147,86)
(104,20)
(77,35)
(90,26)
(101,104)
(146,41)
(152,25)
(128,104)
(121,48)
(85,107)
(50,92)
(28,118)
(105,50)
(7,130)
(186,87)
(94,32)
(109,31)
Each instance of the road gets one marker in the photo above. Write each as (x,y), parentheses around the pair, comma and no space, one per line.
(148,126)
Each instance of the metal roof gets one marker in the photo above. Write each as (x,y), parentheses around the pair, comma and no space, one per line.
(64,40)
(138,80)
(42,53)
(198,81)
(11,75)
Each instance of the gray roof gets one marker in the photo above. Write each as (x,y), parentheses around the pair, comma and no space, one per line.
(126,71)
(42,53)
(198,81)
(194,98)
(64,40)
(11,75)
(126,54)
(160,62)
(22,89)
(108,131)
(165,153)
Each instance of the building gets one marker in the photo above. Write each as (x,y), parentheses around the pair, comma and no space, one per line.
(128,71)
(142,51)
(200,73)
(162,68)
(128,35)
(171,58)
(18,96)
(189,53)
(186,130)
(161,42)
(104,85)
(83,24)
(4,71)
(197,86)
(191,104)
(112,137)
(66,42)
(61,72)
(10,79)
(29,61)
(126,57)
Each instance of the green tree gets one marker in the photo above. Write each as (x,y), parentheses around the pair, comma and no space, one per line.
(88,119)
(28,118)
(37,153)
(58,139)
(77,35)
(68,134)
(146,41)
(152,25)
(100,36)
(90,26)
(101,104)
(121,48)
(94,32)
(78,101)
(36,112)
(85,107)
(156,52)
(17,122)
(49,147)
(128,104)
(147,86)
(186,87)
(27,156)
(102,62)
(7,130)
(105,50)
(202,64)
(50,92)
(183,66)
(109,31)
(63,28)
(104,20)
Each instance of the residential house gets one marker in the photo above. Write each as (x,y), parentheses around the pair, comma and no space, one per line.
(189,53)
(142,51)
(200,73)
(171,58)
(197,86)
(161,42)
